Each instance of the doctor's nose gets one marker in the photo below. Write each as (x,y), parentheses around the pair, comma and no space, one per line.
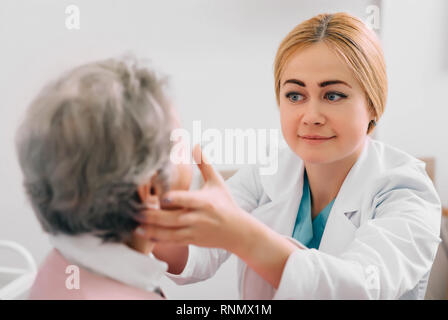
(312,116)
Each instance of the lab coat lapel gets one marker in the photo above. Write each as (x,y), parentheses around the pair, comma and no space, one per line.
(345,214)
(285,190)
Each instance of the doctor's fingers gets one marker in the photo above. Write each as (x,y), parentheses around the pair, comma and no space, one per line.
(188,199)
(165,218)
(178,236)
(209,174)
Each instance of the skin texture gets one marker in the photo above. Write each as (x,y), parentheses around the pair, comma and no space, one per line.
(211,218)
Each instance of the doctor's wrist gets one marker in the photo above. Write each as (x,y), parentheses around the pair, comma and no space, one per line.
(250,233)
(264,250)
(243,232)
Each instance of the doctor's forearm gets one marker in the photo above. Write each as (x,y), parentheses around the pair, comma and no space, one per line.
(264,250)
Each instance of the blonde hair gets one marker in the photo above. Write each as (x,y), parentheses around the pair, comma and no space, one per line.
(358,46)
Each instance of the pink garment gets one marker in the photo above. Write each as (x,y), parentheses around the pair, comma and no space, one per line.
(50,284)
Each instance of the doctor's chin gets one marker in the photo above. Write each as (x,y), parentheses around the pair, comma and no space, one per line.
(224,150)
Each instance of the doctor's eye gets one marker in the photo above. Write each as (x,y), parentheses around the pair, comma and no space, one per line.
(334,96)
(294,96)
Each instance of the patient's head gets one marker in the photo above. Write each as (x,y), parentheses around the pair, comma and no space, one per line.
(88,144)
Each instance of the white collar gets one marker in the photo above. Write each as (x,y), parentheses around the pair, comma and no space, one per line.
(114,260)
(289,177)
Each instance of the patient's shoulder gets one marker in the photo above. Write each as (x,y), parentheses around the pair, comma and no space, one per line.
(58,279)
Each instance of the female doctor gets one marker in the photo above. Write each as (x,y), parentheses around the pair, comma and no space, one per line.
(344,217)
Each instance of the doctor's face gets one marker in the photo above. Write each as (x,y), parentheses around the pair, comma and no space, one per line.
(320,97)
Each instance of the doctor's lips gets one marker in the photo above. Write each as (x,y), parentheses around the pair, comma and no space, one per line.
(315,137)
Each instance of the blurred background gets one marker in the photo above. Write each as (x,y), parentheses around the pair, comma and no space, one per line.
(219,56)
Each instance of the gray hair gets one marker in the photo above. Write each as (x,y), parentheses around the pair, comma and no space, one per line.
(88,141)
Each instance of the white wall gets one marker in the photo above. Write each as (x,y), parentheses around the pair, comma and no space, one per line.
(220,56)
(415,39)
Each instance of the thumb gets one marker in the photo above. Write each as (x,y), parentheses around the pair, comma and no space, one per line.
(208,172)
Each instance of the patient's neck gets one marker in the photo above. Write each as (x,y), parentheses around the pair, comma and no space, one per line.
(141,245)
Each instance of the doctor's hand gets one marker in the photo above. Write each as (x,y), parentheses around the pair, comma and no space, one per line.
(208,217)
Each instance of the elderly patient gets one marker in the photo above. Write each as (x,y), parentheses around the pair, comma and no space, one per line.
(94,147)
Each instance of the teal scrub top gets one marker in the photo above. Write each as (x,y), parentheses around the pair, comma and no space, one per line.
(307,231)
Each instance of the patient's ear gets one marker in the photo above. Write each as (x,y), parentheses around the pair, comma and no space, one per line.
(149,189)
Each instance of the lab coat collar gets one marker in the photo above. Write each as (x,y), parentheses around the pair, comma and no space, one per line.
(285,190)
(291,168)
(341,223)
(114,260)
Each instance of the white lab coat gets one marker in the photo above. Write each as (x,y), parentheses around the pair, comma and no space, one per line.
(379,242)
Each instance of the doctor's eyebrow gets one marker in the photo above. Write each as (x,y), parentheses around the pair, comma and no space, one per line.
(322,84)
